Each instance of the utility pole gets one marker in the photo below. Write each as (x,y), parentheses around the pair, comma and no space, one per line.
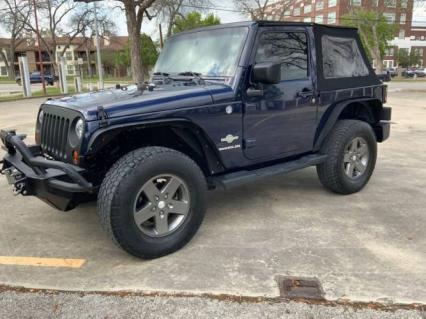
(39,49)
(98,49)
(97,42)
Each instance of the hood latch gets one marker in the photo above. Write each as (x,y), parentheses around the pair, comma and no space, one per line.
(102,116)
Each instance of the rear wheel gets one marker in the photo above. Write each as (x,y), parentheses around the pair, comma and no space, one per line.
(352,151)
(152,201)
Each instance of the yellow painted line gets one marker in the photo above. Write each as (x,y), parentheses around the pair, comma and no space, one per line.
(41,262)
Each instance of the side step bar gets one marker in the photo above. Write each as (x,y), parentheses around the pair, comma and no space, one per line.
(241,177)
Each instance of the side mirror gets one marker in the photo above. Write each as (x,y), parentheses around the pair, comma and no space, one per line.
(267,73)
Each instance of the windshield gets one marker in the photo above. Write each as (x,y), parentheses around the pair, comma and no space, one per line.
(213,53)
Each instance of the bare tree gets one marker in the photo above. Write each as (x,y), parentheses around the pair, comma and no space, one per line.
(60,19)
(258,9)
(168,10)
(17,14)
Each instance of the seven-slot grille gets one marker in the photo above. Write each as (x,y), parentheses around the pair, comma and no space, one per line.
(54,135)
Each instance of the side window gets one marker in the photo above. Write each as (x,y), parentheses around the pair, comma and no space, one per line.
(341,58)
(288,48)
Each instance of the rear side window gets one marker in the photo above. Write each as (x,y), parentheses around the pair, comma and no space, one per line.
(342,58)
(288,48)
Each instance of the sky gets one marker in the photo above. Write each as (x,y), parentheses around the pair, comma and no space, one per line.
(226,15)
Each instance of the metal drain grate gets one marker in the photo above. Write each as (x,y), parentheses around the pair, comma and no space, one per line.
(299,287)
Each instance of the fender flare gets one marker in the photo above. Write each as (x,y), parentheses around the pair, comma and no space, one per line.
(205,147)
(332,114)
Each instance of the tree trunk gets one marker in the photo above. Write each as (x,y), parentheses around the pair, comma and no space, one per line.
(376,52)
(134,22)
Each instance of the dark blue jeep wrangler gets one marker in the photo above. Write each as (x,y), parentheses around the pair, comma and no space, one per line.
(226,105)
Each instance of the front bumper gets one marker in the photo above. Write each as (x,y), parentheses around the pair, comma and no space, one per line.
(61,185)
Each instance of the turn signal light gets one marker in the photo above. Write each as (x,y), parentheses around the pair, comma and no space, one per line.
(75,157)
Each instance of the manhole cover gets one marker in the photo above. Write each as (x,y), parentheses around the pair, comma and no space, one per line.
(300,287)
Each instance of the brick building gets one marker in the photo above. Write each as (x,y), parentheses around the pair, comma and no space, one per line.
(80,50)
(400,12)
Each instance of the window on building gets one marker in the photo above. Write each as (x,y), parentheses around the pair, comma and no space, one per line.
(332,3)
(319,18)
(390,3)
(287,13)
(331,18)
(390,51)
(70,69)
(402,18)
(319,5)
(401,34)
(307,19)
(68,55)
(296,12)
(342,58)
(404,3)
(389,16)
(288,48)
(3,71)
(422,37)
(374,3)
(308,8)
(356,2)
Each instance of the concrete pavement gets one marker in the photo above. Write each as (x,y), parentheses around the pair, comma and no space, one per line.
(368,246)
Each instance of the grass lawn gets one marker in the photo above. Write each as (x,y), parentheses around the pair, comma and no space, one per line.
(50,91)
(6,80)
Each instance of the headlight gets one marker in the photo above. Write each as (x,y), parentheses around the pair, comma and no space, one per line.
(79,128)
(40,116)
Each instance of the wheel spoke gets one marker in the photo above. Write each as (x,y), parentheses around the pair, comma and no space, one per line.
(354,145)
(161,224)
(151,191)
(363,149)
(360,166)
(144,214)
(347,158)
(349,169)
(179,207)
(171,187)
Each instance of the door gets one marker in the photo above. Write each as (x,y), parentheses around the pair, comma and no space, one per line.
(281,122)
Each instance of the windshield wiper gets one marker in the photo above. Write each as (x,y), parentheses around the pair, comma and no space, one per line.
(190,73)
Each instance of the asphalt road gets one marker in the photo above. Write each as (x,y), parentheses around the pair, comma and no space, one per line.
(368,246)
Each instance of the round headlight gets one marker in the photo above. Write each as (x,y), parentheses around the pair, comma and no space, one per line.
(79,128)
(40,116)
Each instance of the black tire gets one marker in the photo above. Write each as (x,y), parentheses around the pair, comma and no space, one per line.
(121,188)
(332,172)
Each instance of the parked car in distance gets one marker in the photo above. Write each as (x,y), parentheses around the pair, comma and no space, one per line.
(420,72)
(408,73)
(226,105)
(392,71)
(384,76)
(35,77)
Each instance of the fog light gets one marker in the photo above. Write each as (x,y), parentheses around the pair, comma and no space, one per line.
(75,157)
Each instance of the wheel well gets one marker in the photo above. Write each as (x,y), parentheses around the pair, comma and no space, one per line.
(185,139)
(368,111)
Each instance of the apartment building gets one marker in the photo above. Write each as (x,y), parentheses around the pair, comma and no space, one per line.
(79,55)
(399,12)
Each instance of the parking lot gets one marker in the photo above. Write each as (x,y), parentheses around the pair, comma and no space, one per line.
(369,246)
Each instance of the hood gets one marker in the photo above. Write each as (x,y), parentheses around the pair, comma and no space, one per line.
(131,101)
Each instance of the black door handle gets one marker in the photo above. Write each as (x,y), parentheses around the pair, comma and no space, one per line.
(305,94)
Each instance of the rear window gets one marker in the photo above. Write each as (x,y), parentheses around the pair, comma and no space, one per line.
(342,58)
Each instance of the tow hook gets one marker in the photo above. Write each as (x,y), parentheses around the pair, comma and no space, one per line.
(17,179)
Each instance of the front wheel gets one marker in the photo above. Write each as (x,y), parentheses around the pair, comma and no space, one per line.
(352,151)
(152,201)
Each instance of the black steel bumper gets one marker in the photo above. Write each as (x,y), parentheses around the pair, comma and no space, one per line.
(61,185)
